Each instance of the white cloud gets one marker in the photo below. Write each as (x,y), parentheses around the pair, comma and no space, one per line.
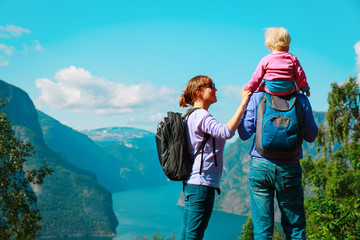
(36,46)
(77,90)
(157,117)
(8,50)
(12,31)
(3,62)
(357,51)
(232,91)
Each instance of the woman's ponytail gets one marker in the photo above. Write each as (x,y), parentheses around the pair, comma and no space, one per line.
(182,101)
(185,100)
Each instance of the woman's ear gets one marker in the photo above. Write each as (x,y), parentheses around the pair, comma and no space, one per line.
(198,94)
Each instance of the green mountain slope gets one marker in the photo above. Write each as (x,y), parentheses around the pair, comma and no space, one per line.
(71,201)
(135,150)
(82,152)
(121,158)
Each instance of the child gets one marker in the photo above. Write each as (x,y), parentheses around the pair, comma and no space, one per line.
(280,72)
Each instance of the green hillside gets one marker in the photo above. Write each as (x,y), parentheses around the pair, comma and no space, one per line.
(122,159)
(71,201)
(82,152)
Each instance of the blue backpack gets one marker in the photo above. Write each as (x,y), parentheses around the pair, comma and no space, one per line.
(279,127)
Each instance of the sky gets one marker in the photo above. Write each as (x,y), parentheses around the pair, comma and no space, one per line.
(123,63)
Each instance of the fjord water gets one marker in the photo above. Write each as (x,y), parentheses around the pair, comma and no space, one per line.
(147,211)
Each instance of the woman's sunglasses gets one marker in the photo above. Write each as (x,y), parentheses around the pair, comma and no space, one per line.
(210,85)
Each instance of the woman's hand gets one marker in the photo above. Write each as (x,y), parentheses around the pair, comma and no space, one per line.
(245,95)
(234,122)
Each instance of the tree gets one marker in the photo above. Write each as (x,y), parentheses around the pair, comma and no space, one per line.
(333,212)
(248,232)
(19,217)
(158,236)
(278,235)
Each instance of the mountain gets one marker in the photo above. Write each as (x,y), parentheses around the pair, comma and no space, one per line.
(135,151)
(121,158)
(129,137)
(82,152)
(71,201)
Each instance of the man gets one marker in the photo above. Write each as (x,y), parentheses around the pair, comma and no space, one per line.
(270,177)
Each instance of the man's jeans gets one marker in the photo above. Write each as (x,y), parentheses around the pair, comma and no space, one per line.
(267,179)
(199,202)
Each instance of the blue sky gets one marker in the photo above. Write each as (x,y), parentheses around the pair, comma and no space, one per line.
(92,64)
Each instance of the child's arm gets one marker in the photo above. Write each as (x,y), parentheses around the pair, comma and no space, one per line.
(256,78)
(300,78)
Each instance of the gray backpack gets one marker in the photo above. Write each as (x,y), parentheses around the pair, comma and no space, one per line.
(172,149)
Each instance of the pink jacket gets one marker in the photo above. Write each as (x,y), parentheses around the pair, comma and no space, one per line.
(278,66)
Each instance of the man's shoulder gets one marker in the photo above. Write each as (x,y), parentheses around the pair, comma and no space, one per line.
(254,100)
(301,97)
(256,96)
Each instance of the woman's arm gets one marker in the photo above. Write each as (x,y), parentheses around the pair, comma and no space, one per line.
(234,122)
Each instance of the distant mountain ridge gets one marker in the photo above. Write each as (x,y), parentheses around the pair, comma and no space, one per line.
(130,137)
(122,158)
(71,201)
(81,151)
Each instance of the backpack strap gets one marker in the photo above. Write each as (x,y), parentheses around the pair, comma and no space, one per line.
(203,143)
(214,152)
(202,146)
(190,111)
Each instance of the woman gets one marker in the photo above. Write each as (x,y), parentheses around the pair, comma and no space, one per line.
(199,189)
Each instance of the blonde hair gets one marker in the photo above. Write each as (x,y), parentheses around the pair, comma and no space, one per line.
(277,38)
(189,94)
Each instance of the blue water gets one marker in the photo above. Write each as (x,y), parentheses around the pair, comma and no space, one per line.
(144,212)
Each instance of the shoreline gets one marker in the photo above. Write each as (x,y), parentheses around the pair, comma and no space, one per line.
(80,236)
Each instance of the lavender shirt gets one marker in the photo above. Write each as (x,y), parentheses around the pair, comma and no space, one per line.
(198,122)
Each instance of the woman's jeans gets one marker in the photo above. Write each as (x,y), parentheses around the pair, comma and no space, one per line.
(267,179)
(199,202)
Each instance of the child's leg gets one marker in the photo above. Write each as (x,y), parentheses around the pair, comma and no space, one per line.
(279,87)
